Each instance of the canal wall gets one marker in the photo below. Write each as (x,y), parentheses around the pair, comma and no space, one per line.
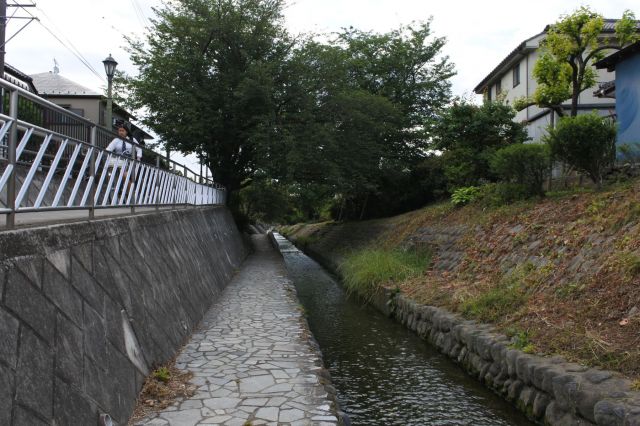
(88,309)
(549,390)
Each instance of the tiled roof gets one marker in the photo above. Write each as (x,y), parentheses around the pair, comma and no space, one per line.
(49,83)
(18,78)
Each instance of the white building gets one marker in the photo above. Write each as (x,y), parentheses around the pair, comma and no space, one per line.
(513,78)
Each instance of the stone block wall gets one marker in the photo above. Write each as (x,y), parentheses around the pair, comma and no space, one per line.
(549,390)
(88,309)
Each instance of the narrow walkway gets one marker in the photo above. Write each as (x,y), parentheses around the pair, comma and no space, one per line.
(251,361)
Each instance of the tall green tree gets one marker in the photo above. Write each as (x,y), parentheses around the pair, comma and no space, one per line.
(469,135)
(368,97)
(571,47)
(206,75)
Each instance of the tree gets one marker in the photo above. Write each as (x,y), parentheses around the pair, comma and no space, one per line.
(587,142)
(367,97)
(468,135)
(571,47)
(206,75)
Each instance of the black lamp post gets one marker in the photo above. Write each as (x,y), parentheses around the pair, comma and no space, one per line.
(110,69)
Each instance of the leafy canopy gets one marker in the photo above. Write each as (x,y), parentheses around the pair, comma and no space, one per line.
(468,135)
(571,46)
(339,119)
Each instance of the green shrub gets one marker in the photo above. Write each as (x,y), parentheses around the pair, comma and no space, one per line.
(365,271)
(586,142)
(502,193)
(523,164)
(465,195)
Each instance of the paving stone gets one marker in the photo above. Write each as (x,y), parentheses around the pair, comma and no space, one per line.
(268,413)
(250,358)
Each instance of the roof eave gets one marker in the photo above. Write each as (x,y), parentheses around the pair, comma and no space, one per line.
(522,49)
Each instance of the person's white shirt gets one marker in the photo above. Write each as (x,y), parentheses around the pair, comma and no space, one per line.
(123,147)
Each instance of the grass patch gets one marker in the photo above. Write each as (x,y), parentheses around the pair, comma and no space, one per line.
(305,240)
(495,304)
(506,298)
(365,271)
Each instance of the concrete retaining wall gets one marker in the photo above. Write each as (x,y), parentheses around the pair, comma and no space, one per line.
(87,309)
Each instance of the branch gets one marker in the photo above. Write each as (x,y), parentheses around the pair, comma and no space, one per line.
(600,49)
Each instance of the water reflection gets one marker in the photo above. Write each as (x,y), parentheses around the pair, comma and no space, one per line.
(383,373)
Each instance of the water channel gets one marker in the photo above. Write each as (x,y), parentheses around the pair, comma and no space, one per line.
(383,373)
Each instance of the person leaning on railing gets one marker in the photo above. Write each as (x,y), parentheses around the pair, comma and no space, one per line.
(122,146)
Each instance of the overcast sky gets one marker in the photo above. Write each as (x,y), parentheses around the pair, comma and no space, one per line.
(479,33)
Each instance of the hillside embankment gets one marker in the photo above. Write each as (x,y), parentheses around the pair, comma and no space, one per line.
(558,276)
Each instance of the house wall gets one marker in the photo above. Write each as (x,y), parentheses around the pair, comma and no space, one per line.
(628,100)
(537,123)
(90,106)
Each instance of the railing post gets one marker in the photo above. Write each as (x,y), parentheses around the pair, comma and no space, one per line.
(12,142)
(186,185)
(134,156)
(155,201)
(92,172)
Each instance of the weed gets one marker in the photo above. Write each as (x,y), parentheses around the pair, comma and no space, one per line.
(521,341)
(365,271)
(303,311)
(569,289)
(520,238)
(596,207)
(635,386)
(630,263)
(162,374)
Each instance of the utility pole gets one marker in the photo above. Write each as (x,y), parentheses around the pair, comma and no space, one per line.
(3,31)
(3,38)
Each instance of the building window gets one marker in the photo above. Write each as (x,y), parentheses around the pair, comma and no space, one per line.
(498,88)
(488,93)
(516,75)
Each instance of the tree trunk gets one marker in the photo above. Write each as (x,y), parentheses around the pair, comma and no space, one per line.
(364,206)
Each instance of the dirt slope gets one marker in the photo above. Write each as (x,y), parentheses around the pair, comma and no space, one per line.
(561,274)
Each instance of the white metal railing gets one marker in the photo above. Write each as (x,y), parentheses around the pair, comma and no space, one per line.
(52,159)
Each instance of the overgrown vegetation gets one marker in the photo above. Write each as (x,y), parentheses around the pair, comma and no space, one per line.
(365,271)
(559,275)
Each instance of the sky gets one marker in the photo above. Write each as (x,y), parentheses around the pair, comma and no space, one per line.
(79,34)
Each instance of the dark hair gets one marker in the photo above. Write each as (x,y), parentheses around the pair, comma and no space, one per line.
(125,128)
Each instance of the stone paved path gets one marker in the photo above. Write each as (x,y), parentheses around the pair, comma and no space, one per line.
(251,361)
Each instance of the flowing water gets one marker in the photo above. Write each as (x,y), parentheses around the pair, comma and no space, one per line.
(383,373)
